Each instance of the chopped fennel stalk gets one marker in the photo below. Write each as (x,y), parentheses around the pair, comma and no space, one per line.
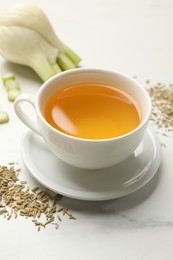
(12,84)
(4,118)
(8,76)
(13,94)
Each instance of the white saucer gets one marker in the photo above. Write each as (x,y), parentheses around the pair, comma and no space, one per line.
(117,181)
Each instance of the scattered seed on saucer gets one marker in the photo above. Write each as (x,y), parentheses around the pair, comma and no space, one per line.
(16,198)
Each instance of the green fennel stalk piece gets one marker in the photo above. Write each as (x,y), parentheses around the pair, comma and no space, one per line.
(4,118)
(12,86)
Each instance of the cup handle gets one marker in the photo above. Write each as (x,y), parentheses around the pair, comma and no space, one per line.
(21,113)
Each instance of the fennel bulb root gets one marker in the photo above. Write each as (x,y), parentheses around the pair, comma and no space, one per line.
(27,38)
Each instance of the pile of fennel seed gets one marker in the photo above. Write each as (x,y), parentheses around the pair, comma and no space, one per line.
(17,199)
(162,105)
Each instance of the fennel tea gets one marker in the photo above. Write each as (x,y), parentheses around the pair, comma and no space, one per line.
(92,111)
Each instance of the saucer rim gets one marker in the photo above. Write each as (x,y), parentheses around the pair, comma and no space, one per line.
(94,196)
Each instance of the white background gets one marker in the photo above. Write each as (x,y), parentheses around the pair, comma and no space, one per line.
(134,37)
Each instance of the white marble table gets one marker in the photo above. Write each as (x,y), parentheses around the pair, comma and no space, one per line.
(134,37)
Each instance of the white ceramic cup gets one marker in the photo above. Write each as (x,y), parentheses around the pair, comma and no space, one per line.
(79,152)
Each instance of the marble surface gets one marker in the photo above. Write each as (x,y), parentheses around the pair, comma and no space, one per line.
(134,37)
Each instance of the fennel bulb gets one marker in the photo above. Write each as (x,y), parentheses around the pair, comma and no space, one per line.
(27,38)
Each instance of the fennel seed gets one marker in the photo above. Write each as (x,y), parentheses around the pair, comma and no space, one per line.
(16,198)
(162,105)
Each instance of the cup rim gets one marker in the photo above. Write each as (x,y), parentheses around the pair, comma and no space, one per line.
(62,74)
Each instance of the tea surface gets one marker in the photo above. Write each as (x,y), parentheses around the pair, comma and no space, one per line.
(92,111)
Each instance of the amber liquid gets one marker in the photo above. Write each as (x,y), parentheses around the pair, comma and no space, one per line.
(92,111)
